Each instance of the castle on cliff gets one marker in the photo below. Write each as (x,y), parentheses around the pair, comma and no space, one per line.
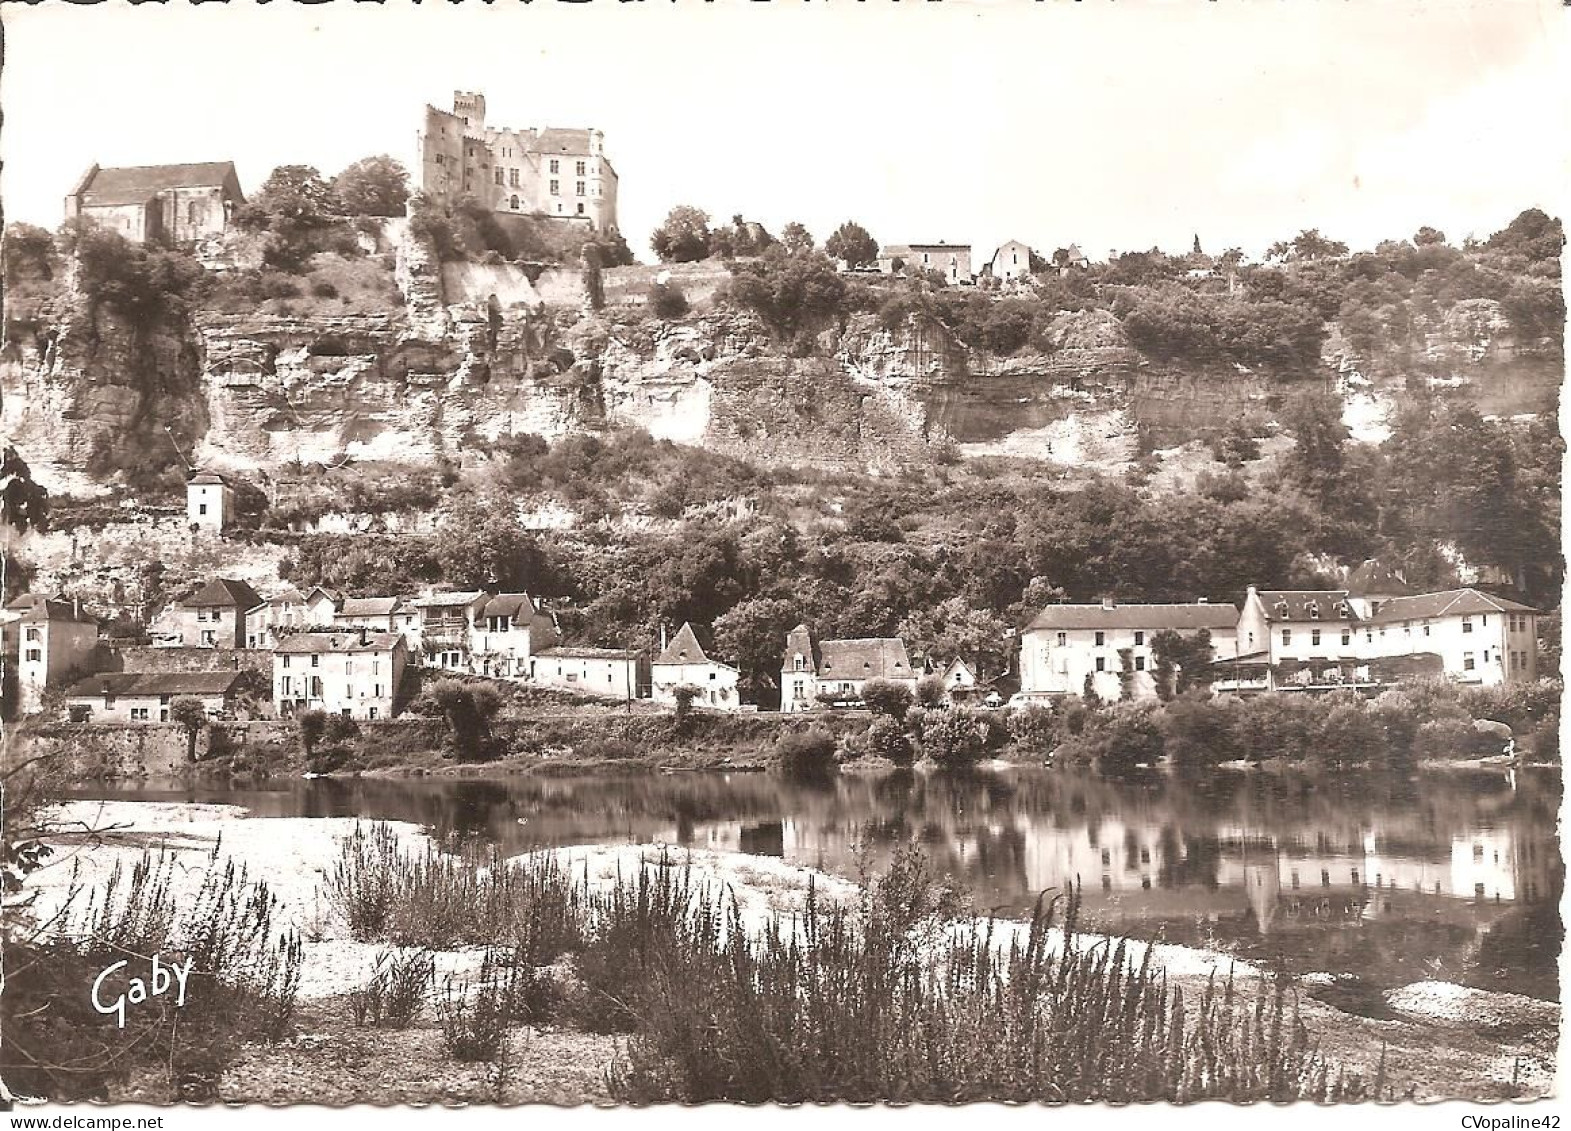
(561,173)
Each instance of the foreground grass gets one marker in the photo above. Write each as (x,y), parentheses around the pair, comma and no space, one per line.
(898,996)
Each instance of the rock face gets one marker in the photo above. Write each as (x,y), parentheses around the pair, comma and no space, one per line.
(458,365)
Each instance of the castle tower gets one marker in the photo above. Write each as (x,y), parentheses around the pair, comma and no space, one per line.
(471,108)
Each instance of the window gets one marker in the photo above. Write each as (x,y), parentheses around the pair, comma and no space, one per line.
(139,714)
(581,169)
(1140,638)
(201,614)
(35,654)
(512,178)
(799,662)
(556,187)
(1101,664)
(1140,663)
(190,212)
(579,187)
(1314,637)
(286,661)
(33,634)
(499,176)
(556,167)
(370,713)
(513,203)
(580,209)
(316,661)
(1467,624)
(1347,636)
(1287,637)
(1063,639)
(1101,639)
(1467,661)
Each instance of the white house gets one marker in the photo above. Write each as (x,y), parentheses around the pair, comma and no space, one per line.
(447,622)
(46,642)
(952,261)
(275,618)
(209,502)
(380,614)
(1011,261)
(607,673)
(833,671)
(136,697)
(355,673)
(685,662)
(1065,646)
(509,630)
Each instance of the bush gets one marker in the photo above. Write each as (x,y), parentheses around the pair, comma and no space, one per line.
(954,739)
(474,1025)
(887,739)
(805,752)
(930,691)
(666,300)
(393,997)
(1118,739)
(322,288)
(885,697)
(1198,732)
(1035,729)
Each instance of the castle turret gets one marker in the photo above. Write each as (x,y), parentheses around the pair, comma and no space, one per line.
(471,108)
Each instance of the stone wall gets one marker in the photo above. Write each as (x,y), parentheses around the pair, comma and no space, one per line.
(88,752)
(142,658)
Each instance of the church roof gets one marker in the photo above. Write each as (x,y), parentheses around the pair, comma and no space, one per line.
(137,184)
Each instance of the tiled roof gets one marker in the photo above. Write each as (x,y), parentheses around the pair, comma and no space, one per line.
(449,600)
(1178,617)
(369,606)
(155,683)
(685,648)
(1453,602)
(56,609)
(307,642)
(515,606)
(290,596)
(872,658)
(207,477)
(136,184)
(1306,604)
(224,591)
(573,652)
(553,140)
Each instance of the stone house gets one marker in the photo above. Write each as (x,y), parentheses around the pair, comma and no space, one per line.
(274,618)
(1011,261)
(320,607)
(953,261)
(1108,643)
(144,697)
(357,673)
(606,673)
(686,662)
(172,204)
(447,625)
(510,629)
(45,642)
(559,173)
(215,616)
(209,502)
(380,614)
(832,672)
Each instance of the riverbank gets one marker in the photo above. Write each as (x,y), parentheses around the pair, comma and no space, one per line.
(1441,1041)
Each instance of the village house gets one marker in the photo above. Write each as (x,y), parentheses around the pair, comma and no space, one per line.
(144,697)
(1010,262)
(209,502)
(274,618)
(686,662)
(172,204)
(952,261)
(321,606)
(358,674)
(959,681)
(215,615)
(381,614)
(559,173)
(607,673)
(447,624)
(832,672)
(46,642)
(1071,258)
(510,629)
(1066,648)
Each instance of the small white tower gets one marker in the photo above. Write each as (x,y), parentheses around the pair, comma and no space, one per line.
(209,502)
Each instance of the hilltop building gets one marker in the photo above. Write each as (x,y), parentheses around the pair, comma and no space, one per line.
(1010,262)
(833,671)
(209,502)
(953,261)
(172,204)
(1066,646)
(560,173)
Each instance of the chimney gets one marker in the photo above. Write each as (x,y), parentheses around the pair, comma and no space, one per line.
(1107,602)
(1203,601)
(662,636)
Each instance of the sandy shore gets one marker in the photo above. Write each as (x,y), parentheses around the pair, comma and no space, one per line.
(1442,1040)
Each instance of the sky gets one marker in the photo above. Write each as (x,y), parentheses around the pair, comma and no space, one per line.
(1115,126)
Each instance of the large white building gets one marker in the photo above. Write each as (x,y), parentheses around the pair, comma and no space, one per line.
(1065,648)
(355,673)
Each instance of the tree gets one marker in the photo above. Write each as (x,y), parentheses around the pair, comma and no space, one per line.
(852,243)
(468,711)
(1428,237)
(187,712)
(796,239)
(24,506)
(1180,662)
(683,705)
(885,697)
(667,301)
(295,193)
(480,543)
(684,237)
(372,186)
(791,293)
(886,738)
(1310,244)
(29,253)
(753,632)
(311,725)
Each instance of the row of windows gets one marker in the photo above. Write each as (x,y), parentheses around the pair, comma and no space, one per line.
(312,685)
(1140,663)
(1062,639)
(316,662)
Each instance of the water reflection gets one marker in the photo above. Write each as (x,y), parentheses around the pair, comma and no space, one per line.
(1454,875)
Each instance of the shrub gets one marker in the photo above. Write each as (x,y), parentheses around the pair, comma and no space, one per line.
(1198,732)
(887,739)
(930,691)
(323,288)
(666,300)
(393,997)
(1118,739)
(474,1025)
(885,697)
(1035,728)
(954,739)
(805,752)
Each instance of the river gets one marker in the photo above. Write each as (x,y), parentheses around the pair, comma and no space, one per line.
(1452,875)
